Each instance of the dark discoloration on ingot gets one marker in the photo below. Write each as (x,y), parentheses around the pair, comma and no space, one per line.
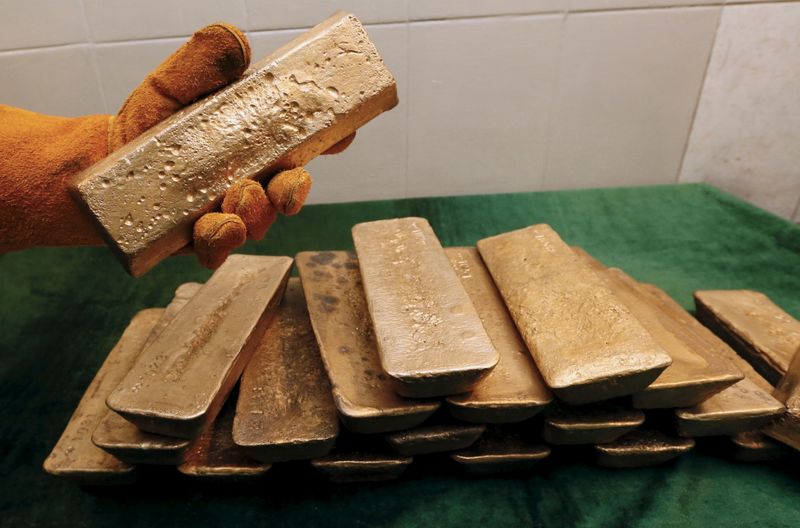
(786,428)
(501,451)
(595,423)
(642,448)
(514,391)
(754,446)
(285,409)
(435,438)
(364,395)
(430,338)
(585,342)
(181,379)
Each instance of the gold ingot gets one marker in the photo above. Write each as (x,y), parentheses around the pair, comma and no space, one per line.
(745,405)
(753,446)
(181,379)
(127,442)
(642,448)
(285,409)
(595,423)
(695,373)
(361,459)
(514,391)
(436,438)
(500,451)
(214,455)
(786,428)
(364,395)
(287,109)
(585,342)
(759,330)
(430,338)
(75,456)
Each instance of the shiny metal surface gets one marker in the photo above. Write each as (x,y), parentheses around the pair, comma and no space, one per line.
(594,423)
(435,438)
(642,448)
(786,428)
(500,451)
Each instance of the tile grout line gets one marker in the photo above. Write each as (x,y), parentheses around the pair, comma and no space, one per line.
(551,108)
(95,62)
(408,101)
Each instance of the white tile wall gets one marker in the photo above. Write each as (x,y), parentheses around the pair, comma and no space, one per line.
(603,5)
(446,9)
(276,14)
(34,23)
(628,86)
(746,136)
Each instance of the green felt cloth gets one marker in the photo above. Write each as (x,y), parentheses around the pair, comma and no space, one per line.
(62,310)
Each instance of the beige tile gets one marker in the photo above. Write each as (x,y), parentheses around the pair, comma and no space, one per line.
(58,81)
(602,5)
(32,23)
(115,20)
(628,86)
(479,95)
(441,9)
(746,135)
(306,13)
(262,43)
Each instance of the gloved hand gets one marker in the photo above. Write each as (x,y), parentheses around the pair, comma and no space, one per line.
(41,154)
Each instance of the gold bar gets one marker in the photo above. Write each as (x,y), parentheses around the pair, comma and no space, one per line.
(181,379)
(430,338)
(435,438)
(596,423)
(642,448)
(361,458)
(285,409)
(754,326)
(514,391)
(585,342)
(786,428)
(75,456)
(500,451)
(753,446)
(214,455)
(124,440)
(745,405)
(695,374)
(364,395)
(287,109)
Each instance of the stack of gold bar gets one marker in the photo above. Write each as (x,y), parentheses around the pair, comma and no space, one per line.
(404,352)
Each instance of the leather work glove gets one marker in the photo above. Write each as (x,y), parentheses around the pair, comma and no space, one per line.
(41,154)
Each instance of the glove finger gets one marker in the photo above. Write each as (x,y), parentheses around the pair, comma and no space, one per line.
(340,146)
(288,190)
(215,236)
(247,200)
(214,57)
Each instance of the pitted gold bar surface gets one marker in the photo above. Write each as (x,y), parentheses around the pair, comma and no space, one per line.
(585,342)
(786,428)
(285,409)
(181,379)
(436,438)
(514,391)
(127,442)
(745,405)
(642,448)
(75,456)
(754,326)
(595,423)
(287,109)
(430,338)
(500,451)
(214,455)
(364,395)
(695,373)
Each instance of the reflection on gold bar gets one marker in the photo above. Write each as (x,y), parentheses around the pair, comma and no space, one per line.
(75,456)
(361,458)
(514,391)
(363,394)
(500,451)
(124,440)
(181,379)
(642,448)
(434,438)
(285,409)
(214,455)
(695,374)
(430,338)
(753,446)
(758,329)
(293,105)
(745,405)
(589,424)
(586,343)
(787,427)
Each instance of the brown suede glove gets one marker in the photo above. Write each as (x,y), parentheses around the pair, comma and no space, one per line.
(41,154)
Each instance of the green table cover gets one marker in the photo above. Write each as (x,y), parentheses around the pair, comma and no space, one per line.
(62,310)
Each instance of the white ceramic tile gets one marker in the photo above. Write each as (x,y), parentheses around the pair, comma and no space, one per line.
(32,23)
(115,20)
(479,96)
(628,86)
(57,81)
(442,9)
(746,135)
(600,5)
(263,43)
(273,14)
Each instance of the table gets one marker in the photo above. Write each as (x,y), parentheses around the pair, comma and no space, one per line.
(63,309)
